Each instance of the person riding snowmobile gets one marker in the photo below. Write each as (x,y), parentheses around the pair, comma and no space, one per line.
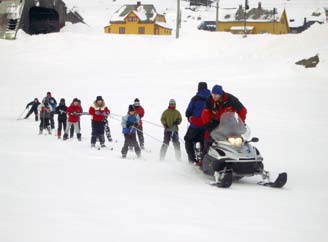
(218,103)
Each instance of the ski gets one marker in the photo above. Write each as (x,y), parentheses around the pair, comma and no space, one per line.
(278,183)
(225,182)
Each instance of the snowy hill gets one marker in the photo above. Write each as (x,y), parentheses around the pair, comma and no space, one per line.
(51,190)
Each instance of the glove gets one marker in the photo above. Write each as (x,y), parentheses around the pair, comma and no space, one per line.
(128,125)
(176,122)
(166,126)
(98,113)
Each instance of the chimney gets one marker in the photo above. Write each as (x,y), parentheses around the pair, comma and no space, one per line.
(138,4)
(259,5)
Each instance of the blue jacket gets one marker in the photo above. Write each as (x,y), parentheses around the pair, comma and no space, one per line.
(195,108)
(130,123)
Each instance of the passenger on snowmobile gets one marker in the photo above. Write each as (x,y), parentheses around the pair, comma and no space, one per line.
(195,132)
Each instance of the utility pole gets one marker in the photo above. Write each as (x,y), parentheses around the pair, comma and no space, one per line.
(245,17)
(217,15)
(274,19)
(178,19)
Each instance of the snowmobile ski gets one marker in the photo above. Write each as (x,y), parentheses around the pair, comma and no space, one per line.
(278,183)
(225,182)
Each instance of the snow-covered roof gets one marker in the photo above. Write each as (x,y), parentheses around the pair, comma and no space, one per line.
(162,24)
(296,17)
(258,14)
(145,12)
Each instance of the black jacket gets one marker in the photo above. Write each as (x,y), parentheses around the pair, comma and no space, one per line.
(34,104)
(61,111)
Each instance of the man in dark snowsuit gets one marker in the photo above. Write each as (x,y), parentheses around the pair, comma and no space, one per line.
(34,109)
(195,132)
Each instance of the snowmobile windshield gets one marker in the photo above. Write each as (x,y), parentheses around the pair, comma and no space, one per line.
(230,125)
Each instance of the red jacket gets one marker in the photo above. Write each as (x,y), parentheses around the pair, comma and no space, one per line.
(74,113)
(99,113)
(141,112)
(212,112)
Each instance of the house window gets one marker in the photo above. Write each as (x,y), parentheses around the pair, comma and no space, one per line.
(122,30)
(141,30)
(132,19)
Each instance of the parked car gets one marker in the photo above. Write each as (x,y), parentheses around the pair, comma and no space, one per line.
(207,25)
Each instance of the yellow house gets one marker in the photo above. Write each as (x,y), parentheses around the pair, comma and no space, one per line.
(258,21)
(138,19)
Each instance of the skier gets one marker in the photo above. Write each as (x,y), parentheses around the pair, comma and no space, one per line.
(141,112)
(71,135)
(53,103)
(170,119)
(130,123)
(195,132)
(62,117)
(45,111)
(74,111)
(34,109)
(218,103)
(99,112)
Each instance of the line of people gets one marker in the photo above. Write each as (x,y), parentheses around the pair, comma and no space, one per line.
(203,114)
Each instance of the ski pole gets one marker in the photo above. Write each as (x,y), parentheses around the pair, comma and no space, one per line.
(20,116)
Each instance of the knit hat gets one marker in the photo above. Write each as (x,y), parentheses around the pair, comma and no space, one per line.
(202,86)
(136,102)
(99,98)
(217,89)
(172,102)
(62,100)
(131,108)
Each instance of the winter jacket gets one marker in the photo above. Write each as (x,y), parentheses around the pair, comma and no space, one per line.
(44,110)
(52,102)
(213,110)
(170,119)
(61,111)
(34,104)
(195,108)
(129,123)
(141,112)
(99,113)
(74,113)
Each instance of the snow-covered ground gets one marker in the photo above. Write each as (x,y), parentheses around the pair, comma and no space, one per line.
(51,190)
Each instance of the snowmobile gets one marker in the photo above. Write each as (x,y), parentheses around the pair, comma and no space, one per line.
(231,156)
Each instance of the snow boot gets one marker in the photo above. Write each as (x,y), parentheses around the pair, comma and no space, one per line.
(93,145)
(58,134)
(79,136)
(65,137)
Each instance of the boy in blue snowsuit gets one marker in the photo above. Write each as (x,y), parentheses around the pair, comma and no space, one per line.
(130,124)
